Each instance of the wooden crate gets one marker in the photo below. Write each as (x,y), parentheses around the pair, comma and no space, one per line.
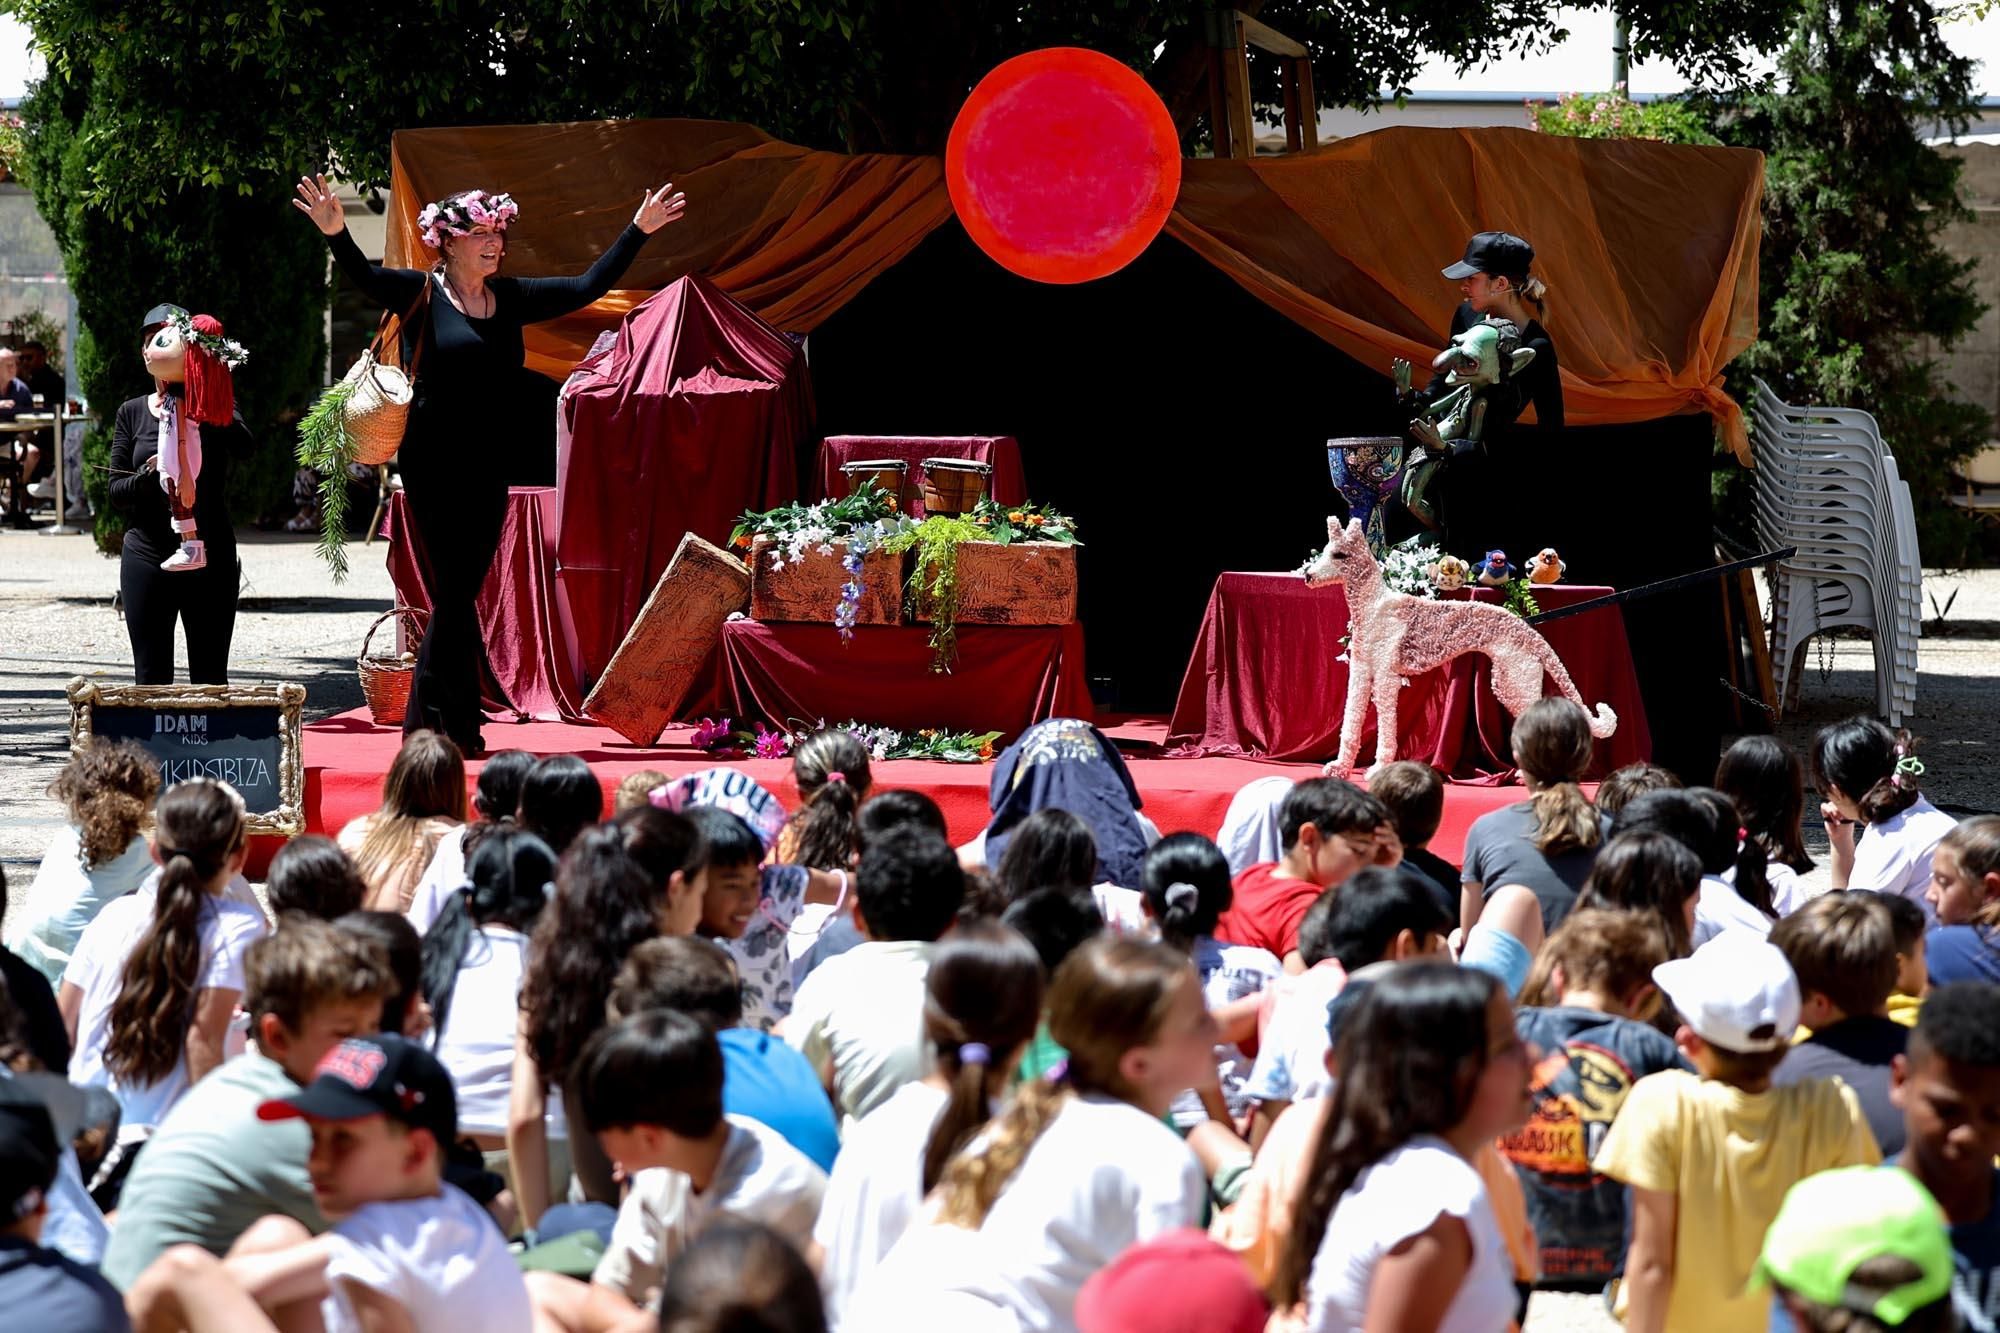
(810,589)
(1026,583)
(650,675)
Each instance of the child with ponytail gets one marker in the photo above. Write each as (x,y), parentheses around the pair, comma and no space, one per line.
(1766,781)
(475,956)
(1965,895)
(1547,843)
(831,769)
(1079,1167)
(983,1000)
(1187,886)
(1395,1228)
(150,990)
(1869,774)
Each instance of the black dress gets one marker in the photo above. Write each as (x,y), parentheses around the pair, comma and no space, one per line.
(466,425)
(1467,491)
(202,600)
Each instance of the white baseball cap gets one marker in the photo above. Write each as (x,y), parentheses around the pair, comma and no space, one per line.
(1737,992)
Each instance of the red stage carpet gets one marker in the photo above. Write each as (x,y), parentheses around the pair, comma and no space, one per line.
(347,755)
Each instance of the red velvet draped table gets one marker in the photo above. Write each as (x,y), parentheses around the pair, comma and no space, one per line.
(1007,677)
(1266,679)
(1009,483)
(527,664)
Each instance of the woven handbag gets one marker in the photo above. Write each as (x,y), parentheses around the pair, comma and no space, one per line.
(378,407)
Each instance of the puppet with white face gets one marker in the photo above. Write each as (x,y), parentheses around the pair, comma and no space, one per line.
(189,361)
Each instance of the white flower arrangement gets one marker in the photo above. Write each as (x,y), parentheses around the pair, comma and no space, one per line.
(1411,567)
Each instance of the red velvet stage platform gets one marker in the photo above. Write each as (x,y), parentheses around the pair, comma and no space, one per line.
(347,755)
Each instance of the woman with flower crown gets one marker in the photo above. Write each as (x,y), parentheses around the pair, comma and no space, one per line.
(171,453)
(467,411)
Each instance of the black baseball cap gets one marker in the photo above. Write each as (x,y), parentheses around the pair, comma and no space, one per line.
(29,1150)
(164,313)
(379,1075)
(1500,253)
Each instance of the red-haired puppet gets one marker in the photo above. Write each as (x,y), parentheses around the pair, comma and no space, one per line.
(189,351)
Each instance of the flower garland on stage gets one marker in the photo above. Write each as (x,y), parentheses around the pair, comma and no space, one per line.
(862,520)
(727,738)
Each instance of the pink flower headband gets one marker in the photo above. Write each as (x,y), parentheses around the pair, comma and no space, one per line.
(463,214)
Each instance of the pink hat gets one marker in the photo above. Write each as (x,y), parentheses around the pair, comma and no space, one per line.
(1181,1282)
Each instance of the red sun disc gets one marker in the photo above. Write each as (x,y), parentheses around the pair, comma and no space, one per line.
(1063,165)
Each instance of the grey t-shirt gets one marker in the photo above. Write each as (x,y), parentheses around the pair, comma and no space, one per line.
(1500,850)
(212,1169)
(1859,1052)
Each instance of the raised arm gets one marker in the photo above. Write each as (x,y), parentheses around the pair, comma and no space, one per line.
(535,299)
(394,289)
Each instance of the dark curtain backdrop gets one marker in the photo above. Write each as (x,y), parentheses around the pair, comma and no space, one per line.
(1183,422)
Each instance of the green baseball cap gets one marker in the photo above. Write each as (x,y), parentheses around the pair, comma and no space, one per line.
(1832,1223)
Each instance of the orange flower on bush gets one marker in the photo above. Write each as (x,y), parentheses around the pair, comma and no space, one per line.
(743,540)
(891,502)
(1034,520)
(1013,516)
(986,752)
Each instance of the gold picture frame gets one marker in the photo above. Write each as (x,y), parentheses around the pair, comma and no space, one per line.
(288,819)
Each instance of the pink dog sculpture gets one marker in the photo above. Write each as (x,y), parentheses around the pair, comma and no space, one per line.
(1393,636)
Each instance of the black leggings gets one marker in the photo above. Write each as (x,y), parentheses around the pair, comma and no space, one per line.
(459,520)
(203,602)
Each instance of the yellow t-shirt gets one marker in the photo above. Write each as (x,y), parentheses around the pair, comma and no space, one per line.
(1728,1157)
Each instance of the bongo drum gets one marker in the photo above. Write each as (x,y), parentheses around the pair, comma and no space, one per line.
(890,475)
(952,486)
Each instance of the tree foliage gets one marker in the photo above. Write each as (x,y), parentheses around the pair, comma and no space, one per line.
(242,257)
(234,92)
(1856,284)
(161,141)
(1613,115)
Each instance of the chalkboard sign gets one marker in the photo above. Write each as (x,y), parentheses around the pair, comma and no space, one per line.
(245,735)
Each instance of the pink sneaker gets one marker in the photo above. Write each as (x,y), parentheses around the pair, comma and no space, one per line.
(192,555)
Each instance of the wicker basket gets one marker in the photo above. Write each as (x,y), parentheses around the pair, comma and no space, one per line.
(385,681)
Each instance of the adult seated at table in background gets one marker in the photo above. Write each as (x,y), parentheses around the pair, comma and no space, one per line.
(15,395)
(45,382)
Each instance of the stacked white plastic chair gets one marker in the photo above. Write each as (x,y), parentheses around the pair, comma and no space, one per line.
(1827,485)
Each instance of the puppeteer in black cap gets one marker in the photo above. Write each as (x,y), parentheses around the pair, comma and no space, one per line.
(1497,279)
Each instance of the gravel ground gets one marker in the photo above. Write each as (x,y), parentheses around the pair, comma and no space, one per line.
(293,623)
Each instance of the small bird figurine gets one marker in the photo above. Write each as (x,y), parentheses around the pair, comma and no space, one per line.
(1450,572)
(1496,571)
(1545,566)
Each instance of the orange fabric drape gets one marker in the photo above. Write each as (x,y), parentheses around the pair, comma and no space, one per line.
(1649,250)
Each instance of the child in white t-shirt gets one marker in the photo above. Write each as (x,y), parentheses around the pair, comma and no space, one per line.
(652,1093)
(474,958)
(1079,1167)
(1378,919)
(175,949)
(1395,1229)
(983,1003)
(1869,775)
(107,788)
(496,797)
(1186,884)
(409,1251)
(859,1018)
